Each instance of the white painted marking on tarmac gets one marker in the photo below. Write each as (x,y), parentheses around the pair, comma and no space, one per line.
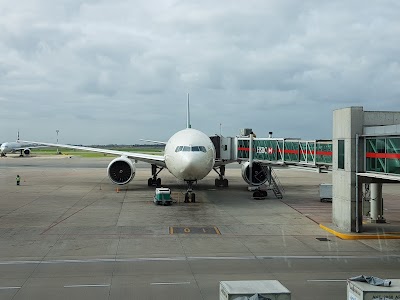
(86,285)
(188,258)
(221,257)
(9,287)
(327,280)
(169,283)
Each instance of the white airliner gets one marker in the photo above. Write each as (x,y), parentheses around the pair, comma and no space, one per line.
(13,147)
(189,155)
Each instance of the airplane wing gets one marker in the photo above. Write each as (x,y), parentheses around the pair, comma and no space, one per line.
(28,146)
(151,159)
(156,142)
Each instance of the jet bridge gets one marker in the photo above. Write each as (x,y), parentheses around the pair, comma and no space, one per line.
(287,152)
(275,151)
(264,153)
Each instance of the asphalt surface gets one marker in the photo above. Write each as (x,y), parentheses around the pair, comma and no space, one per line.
(68,233)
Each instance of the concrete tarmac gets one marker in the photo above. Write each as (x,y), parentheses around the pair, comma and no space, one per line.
(66,233)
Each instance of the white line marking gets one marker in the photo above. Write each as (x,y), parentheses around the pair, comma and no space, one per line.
(169,283)
(189,258)
(327,280)
(9,287)
(86,285)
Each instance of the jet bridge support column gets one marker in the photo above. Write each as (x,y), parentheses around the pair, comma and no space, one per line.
(376,203)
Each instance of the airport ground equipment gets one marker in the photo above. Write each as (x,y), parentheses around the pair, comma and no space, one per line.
(254,289)
(163,196)
(325,192)
(364,291)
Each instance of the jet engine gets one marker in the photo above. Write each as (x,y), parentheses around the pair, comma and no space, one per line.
(121,170)
(258,173)
(27,151)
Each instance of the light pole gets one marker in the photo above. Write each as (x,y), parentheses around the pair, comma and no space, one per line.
(57,140)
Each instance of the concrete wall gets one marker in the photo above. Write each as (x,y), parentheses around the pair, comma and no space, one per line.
(347,122)
(380,118)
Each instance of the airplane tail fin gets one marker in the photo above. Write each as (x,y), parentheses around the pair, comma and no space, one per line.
(188,125)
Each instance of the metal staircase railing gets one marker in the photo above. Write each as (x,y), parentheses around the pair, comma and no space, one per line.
(274,182)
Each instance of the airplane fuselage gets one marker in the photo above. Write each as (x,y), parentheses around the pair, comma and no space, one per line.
(9,147)
(189,155)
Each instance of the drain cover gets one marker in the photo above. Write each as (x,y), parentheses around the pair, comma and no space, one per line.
(323,239)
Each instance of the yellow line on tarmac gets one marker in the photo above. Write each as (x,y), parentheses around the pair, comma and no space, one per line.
(352,236)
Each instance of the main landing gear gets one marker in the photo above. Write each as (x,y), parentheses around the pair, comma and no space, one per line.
(154,181)
(189,195)
(221,181)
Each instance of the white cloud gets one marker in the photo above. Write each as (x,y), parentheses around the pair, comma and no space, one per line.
(117,71)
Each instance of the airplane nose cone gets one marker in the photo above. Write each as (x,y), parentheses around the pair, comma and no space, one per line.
(191,167)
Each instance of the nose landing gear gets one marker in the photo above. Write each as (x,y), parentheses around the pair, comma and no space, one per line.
(190,196)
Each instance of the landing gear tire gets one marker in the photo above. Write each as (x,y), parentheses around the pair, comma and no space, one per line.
(150,182)
(221,182)
(217,182)
(190,197)
(158,182)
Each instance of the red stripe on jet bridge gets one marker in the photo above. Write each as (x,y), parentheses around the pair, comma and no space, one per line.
(288,151)
(383,155)
(245,149)
(324,153)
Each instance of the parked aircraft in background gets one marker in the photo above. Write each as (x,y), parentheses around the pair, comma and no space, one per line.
(189,155)
(14,147)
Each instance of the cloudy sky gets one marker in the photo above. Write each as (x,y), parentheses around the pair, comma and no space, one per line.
(117,71)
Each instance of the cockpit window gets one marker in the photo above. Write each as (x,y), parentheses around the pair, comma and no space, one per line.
(178,148)
(191,148)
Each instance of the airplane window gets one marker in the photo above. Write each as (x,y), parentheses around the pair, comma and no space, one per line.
(186,148)
(177,149)
(196,148)
(203,149)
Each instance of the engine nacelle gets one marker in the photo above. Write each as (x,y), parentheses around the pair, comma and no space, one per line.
(121,170)
(27,151)
(259,175)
